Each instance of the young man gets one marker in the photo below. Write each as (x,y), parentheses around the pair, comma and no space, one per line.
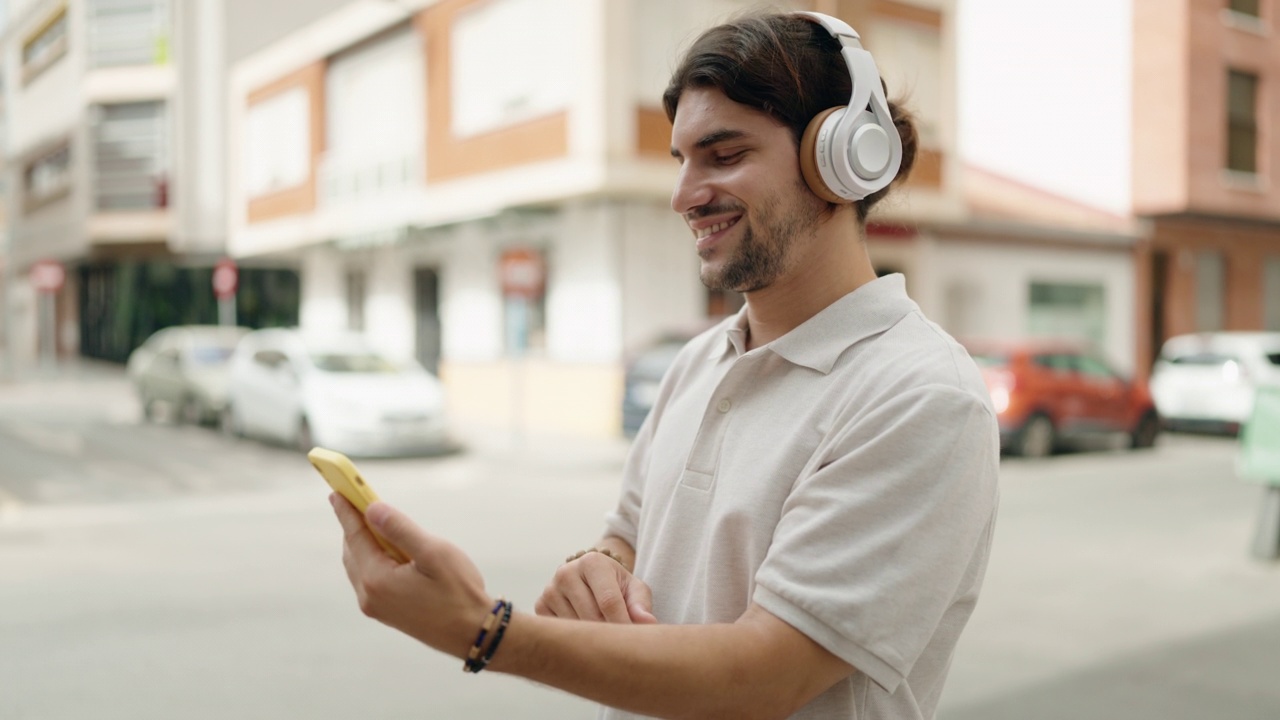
(807,512)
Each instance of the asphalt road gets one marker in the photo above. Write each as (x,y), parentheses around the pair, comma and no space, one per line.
(153,571)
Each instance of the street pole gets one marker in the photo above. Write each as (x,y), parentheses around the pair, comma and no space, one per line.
(7,369)
(48,330)
(227,311)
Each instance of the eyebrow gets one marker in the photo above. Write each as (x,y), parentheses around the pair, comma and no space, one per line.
(710,139)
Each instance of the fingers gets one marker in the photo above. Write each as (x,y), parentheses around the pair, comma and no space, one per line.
(355,531)
(639,602)
(606,592)
(589,588)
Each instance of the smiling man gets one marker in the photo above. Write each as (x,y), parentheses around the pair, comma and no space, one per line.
(807,512)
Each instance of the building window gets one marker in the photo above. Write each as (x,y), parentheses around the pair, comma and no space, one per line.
(48,177)
(523,277)
(1242,122)
(489,90)
(1271,294)
(43,47)
(1068,310)
(127,32)
(130,154)
(1244,7)
(357,289)
(277,149)
(1211,285)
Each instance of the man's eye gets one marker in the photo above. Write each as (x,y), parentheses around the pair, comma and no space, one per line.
(731,158)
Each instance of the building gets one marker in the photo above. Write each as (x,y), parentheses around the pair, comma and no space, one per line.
(1156,111)
(1206,161)
(114,159)
(495,203)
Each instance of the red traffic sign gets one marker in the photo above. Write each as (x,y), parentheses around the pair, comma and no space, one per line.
(523,273)
(48,276)
(226,278)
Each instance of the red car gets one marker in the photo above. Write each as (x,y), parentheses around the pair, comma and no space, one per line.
(1047,393)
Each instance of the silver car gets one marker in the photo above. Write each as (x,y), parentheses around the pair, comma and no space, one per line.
(183,370)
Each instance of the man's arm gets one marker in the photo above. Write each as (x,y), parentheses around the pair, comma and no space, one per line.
(755,667)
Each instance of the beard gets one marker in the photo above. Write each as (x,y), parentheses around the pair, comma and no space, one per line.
(764,252)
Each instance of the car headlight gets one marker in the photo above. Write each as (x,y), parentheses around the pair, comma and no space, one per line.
(1000,399)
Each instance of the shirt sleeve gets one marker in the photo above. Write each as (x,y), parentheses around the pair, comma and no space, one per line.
(624,520)
(874,545)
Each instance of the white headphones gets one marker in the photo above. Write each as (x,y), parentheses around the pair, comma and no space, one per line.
(846,156)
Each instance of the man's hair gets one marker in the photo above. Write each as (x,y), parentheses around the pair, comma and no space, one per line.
(785,66)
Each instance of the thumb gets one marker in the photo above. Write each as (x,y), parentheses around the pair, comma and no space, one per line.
(640,603)
(397,528)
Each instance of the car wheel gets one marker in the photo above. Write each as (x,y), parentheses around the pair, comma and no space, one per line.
(1036,439)
(148,408)
(303,440)
(1145,432)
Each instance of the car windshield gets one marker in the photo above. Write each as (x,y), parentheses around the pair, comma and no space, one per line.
(1274,358)
(210,354)
(1206,359)
(353,362)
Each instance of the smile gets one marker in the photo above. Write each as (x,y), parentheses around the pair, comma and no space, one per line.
(713,229)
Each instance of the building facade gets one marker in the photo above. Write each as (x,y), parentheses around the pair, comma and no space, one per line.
(1206,107)
(114,157)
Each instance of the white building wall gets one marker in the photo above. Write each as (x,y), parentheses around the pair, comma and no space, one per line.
(389,321)
(984,288)
(470,304)
(51,105)
(660,286)
(584,305)
(323,305)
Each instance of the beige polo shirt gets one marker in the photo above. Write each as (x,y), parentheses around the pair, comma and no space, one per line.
(843,476)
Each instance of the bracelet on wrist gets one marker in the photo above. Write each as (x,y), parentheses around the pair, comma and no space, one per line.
(490,635)
(603,551)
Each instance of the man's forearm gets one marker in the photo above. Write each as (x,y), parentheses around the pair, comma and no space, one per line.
(671,671)
(621,548)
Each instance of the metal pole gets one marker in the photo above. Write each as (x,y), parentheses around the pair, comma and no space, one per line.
(7,368)
(1266,542)
(227,310)
(48,331)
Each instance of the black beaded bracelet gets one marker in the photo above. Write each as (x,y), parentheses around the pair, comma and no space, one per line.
(475,662)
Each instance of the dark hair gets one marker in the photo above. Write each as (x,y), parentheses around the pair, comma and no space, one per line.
(783,65)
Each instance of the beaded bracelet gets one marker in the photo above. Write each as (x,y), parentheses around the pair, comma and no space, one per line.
(603,551)
(478,657)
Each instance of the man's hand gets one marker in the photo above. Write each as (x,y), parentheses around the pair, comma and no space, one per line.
(438,597)
(597,587)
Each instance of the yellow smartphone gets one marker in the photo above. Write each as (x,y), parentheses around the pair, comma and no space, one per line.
(342,475)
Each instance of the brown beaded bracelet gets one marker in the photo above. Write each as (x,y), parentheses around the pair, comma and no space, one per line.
(603,551)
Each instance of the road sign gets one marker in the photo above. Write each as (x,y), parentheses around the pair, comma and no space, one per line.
(226,278)
(47,276)
(522,273)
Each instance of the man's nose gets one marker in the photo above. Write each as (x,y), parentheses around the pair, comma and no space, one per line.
(691,190)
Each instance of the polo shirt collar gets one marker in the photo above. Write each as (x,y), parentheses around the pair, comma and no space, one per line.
(819,341)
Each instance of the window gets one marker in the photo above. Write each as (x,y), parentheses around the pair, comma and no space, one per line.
(43,47)
(48,177)
(1244,7)
(491,91)
(277,149)
(1211,286)
(130,154)
(1068,310)
(127,32)
(1242,122)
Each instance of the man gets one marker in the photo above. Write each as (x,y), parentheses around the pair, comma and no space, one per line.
(807,513)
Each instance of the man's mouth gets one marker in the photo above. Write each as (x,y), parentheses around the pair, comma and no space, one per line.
(713,229)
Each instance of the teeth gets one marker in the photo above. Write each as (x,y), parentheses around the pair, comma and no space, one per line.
(714,228)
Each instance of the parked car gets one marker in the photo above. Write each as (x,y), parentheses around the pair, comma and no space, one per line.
(1208,380)
(643,376)
(184,369)
(334,392)
(1049,393)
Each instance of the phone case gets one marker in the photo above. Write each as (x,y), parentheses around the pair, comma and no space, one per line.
(342,475)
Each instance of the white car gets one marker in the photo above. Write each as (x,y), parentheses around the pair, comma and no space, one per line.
(334,392)
(1209,379)
(184,369)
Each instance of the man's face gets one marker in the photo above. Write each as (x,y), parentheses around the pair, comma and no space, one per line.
(740,190)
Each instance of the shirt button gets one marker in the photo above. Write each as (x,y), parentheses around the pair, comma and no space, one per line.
(724,405)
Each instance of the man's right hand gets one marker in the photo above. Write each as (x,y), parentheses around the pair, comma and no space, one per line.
(597,587)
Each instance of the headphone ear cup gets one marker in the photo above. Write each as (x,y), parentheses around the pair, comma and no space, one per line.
(809,164)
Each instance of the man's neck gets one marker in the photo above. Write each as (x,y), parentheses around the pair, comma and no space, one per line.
(837,267)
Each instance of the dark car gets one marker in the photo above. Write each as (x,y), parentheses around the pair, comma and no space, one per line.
(1049,393)
(644,374)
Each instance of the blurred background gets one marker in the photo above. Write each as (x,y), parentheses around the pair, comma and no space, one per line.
(436,235)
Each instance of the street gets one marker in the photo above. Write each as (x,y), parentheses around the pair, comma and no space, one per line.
(159,571)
